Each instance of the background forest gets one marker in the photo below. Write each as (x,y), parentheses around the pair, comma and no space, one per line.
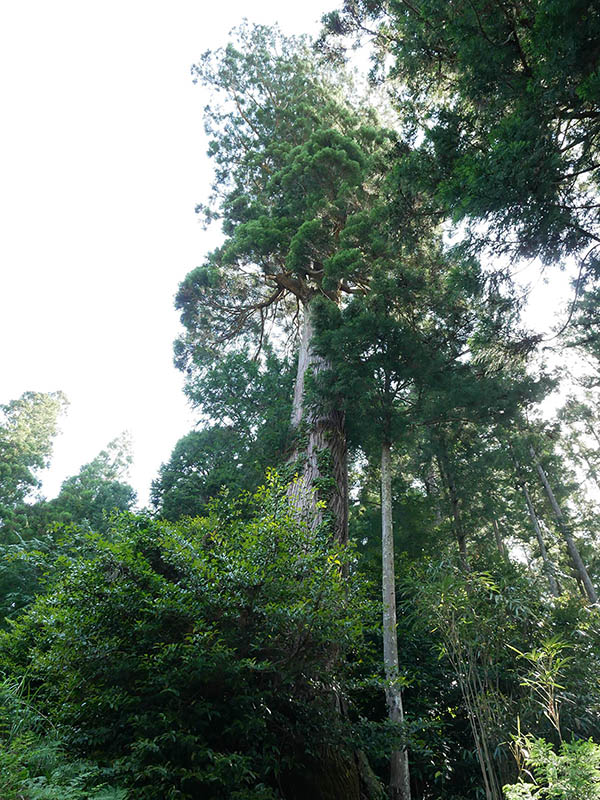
(371,569)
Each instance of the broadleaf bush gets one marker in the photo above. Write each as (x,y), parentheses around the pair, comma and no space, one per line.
(196,659)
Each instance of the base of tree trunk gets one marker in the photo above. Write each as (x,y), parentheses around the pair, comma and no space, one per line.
(337,775)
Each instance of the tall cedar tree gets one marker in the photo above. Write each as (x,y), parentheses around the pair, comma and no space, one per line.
(296,165)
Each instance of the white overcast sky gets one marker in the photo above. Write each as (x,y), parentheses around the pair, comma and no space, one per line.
(102,160)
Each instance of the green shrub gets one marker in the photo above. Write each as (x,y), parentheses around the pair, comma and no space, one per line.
(197,659)
(571,774)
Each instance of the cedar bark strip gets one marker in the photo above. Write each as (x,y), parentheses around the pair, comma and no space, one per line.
(399,769)
(564,529)
(321,446)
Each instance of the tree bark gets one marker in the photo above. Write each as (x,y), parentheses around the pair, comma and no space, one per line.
(548,565)
(591,468)
(320,489)
(399,787)
(320,493)
(564,529)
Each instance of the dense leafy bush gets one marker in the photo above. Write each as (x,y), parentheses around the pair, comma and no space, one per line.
(198,659)
(571,774)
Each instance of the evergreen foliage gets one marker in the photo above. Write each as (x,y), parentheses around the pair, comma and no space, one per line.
(505,96)
(296,164)
(49,528)
(242,435)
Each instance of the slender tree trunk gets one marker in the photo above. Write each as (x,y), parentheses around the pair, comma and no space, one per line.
(432,489)
(548,565)
(591,468)
(457,525)
(564,528)
(499,542)
(399,770)
(320,452)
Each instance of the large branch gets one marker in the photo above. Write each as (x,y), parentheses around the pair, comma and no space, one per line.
(249,309)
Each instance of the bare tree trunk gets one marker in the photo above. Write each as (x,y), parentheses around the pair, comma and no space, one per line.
(591,468)
(399,788)
(564,528)
(548,565)
(320,452)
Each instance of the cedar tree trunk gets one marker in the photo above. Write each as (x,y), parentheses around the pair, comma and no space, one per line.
(457,525)
(320,490)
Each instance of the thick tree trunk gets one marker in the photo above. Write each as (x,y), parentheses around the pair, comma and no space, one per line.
(333,775)
(548,565)
(399,770)
(320,490)
(320,494)
(564,529)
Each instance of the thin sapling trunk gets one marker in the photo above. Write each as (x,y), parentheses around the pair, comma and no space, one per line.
(564,529)
(548,565)
(399,770)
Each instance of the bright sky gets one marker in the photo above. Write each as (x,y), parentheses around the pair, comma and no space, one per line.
(102,160)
